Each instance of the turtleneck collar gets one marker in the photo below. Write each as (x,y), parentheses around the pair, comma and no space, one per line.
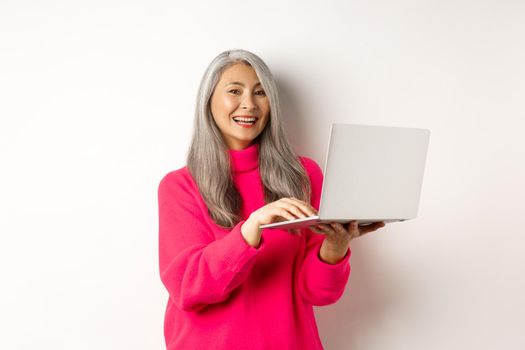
(245,159)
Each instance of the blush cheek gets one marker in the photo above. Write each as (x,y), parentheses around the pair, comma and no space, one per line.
(229,105)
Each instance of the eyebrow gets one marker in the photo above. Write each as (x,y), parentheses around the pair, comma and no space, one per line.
(239,83)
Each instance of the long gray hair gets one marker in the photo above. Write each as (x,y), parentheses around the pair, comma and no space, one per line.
(208,159)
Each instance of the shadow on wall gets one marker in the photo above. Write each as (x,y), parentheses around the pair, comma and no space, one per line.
(291,113)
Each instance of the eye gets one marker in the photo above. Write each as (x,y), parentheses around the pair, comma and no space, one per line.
(234,91)
(260,93)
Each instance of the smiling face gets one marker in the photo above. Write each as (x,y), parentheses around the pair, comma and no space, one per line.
(239,106)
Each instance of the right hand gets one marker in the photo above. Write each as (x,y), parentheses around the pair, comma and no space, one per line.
(287,208)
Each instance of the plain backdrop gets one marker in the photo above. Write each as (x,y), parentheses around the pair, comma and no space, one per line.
(97,102)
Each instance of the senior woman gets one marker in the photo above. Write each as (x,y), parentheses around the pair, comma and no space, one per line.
(232,285)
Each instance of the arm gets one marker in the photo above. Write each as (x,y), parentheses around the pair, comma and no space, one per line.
(322,283)
(322,275)
(196,269)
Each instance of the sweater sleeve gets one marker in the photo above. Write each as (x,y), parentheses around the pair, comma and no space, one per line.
(320,283)
(196,269)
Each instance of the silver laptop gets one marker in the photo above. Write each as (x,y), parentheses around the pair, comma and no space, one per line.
(372,174)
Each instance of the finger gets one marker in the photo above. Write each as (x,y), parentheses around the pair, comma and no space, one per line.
(315,229)
(289,206)
(352,227)
(341,231)
(327,229)
(337,227)
(372,227)
(304,206)
(318,227)
(283,213)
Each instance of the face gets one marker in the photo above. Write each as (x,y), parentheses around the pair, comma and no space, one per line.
(239,106)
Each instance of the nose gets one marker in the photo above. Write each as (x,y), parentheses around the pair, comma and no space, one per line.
(248,102)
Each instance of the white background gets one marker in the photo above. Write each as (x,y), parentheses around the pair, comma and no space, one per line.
(96,105)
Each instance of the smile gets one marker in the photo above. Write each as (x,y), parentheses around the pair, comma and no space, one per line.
(245,121)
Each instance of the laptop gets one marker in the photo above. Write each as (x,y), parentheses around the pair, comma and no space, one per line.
(372,174)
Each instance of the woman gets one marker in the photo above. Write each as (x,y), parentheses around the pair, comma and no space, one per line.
(232,285)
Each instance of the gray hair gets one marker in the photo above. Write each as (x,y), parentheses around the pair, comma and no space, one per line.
(208,160)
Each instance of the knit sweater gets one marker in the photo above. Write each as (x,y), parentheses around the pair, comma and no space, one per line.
(226,294)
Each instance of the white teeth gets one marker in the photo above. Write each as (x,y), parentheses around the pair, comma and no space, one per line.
(244,119)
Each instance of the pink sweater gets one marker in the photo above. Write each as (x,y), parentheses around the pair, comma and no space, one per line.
(225,294)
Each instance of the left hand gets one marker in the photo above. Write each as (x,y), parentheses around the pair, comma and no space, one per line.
(338,237)
(336,232)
